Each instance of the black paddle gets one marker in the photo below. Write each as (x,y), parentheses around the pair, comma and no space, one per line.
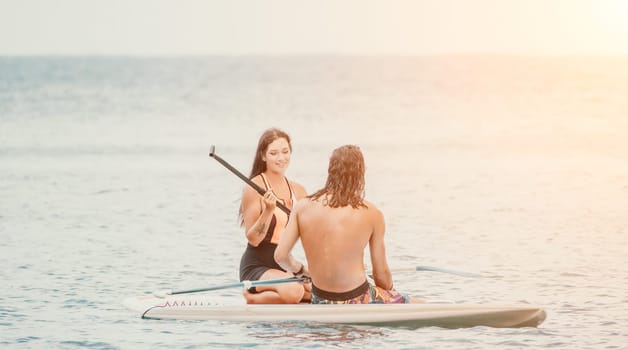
(245,284)
(261,191)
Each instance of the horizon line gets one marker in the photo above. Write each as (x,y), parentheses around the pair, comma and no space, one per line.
(321,54)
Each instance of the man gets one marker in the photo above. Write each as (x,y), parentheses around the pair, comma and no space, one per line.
(335,225)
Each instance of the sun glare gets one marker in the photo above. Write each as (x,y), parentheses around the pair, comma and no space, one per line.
(612,15)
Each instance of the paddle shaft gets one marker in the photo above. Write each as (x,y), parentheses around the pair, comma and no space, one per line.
(261,191)
(431,268)
(247,284)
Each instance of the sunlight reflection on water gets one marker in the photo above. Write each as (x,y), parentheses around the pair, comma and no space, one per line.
(517,174)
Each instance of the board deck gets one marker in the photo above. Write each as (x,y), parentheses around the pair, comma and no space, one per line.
(195,307)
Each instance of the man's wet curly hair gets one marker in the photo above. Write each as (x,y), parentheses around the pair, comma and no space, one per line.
(345,179)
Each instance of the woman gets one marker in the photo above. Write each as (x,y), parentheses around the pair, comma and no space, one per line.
(263,221)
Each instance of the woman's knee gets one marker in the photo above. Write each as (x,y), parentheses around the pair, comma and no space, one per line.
(292,294)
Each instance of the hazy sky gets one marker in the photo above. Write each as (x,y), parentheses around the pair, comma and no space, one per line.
(148,27)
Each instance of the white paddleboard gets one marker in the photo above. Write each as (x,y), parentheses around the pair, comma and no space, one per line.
(200,307)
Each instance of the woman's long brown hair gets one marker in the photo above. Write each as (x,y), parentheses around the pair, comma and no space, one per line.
(259,165)
(268,137)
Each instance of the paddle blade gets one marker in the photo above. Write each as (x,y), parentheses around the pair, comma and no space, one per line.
(449,271)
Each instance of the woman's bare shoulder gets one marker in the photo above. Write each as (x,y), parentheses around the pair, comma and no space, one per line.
(250,191)
(298,189)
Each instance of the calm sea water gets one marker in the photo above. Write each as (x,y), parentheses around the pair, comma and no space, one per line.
(513,167)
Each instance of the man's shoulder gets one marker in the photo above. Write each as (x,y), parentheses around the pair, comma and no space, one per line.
(370,205)
(373,211)
(302,203)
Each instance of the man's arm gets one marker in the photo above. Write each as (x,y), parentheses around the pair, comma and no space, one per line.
(288,239)
(381,271)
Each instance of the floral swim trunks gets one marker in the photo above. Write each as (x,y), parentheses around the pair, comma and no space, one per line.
(364,294)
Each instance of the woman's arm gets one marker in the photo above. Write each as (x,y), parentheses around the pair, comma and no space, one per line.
(256,224)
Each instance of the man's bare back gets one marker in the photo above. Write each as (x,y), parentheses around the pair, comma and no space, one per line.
(335,225)
(334,240)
